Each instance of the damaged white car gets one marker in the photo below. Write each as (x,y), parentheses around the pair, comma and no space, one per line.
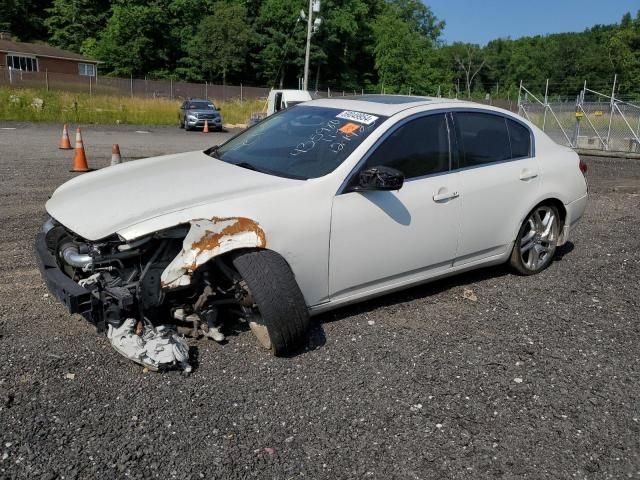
(324,204)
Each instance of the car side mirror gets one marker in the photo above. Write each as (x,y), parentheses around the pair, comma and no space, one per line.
(380,178)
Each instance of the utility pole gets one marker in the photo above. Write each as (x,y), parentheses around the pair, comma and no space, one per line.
(314,6)
(306,55)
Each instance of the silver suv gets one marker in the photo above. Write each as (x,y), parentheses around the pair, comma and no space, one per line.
(194,112)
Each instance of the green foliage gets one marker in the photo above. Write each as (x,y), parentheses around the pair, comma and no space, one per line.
(624,50)
(221,42)
(24,18)
(74,22)
(403,53)
(361,44)
(135,40)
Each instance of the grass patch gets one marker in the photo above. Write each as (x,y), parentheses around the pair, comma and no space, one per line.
(61,107)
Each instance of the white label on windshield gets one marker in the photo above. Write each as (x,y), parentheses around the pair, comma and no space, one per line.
(359,117)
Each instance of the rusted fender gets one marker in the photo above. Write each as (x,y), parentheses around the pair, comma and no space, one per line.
(208,239)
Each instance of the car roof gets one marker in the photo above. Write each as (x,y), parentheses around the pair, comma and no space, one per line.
(386,105)
(199,100)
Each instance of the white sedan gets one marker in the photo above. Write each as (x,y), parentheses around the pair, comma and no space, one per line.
(324,204)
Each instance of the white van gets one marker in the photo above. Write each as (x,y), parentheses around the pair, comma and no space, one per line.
(281,99)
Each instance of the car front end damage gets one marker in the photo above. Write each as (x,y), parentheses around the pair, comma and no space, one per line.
(150,292)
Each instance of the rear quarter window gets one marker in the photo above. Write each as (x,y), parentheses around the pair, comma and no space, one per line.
(520,137)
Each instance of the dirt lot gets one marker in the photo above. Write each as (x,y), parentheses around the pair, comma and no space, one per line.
(538,378)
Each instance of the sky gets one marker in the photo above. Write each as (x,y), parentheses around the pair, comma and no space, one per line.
(479,21)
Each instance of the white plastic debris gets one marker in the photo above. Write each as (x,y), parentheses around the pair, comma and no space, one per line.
(469,295)
(156,348)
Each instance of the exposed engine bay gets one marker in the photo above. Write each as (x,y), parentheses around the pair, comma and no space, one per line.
(146,320)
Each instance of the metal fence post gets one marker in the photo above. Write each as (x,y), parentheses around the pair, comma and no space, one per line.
(46,78)
(131,85)
(171,88)
(611,106)
(206,90)
(241,99)
(546,104)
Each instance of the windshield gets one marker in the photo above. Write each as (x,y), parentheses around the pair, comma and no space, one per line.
(201,106)
(301,142)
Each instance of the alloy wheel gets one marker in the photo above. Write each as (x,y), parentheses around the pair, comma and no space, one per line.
(539,238)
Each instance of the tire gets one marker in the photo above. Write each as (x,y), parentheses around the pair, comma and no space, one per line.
(282,325)
(537,240)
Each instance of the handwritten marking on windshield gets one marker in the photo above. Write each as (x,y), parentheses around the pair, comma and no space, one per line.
(330,133)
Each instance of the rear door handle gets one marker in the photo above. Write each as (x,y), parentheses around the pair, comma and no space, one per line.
(527,174)
(439,197)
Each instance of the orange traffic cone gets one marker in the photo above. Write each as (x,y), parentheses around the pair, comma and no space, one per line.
(206,127)
(115,154)
(65,144)
(79,158)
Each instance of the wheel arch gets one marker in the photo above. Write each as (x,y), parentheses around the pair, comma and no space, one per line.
(553,201)
(206,240)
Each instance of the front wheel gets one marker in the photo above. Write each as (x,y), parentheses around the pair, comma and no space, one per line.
(280,319)
(537,241)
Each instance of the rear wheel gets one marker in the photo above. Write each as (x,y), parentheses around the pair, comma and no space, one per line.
(279,318)
(537,241)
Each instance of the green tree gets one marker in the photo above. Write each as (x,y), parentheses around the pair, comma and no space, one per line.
(624,51)
(404,51)
(468,59)
(280,41)
(72,22)
(222,41)
(24,19)
(135,40)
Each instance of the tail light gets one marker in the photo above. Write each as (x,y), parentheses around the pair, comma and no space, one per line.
(583,167)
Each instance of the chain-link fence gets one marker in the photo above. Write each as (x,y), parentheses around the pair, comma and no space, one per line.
(594,121)
(127,86)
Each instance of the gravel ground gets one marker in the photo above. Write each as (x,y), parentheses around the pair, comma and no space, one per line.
(538,378)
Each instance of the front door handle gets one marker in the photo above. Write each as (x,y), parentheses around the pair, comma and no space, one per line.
(440,197)
(527,174)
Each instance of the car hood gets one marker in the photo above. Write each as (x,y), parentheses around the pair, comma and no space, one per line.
(98,204)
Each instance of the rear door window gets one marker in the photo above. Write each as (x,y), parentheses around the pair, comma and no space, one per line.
(483,138)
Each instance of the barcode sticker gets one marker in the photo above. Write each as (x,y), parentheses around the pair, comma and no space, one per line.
(359,117)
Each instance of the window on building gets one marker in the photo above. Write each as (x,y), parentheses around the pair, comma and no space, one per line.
(25,63)
(87,69)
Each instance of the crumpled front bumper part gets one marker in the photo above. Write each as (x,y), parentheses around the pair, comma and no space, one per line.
(158,348)
(73,296)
